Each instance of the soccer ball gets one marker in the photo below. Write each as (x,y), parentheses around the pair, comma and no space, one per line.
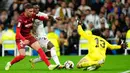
(69,64)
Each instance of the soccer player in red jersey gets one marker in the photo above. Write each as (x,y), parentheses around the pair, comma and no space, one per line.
(23,37)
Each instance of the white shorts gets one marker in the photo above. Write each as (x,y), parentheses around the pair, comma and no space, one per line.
(43,41)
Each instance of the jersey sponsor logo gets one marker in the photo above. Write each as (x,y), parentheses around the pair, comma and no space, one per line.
(28,25)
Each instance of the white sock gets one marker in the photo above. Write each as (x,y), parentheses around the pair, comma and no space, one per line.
(36,60)
(54,56)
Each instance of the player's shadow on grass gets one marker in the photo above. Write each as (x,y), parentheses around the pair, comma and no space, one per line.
(115,69)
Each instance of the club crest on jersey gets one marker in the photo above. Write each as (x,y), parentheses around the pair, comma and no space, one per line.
(28,25)
(32,19)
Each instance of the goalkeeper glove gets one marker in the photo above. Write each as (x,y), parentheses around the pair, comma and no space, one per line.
(79,22)
(124,45)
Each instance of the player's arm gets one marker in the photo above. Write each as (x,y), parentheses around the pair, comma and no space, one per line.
(112,47)
(18,34)
(82,33)
(121,46)
(41,17)
(18,29)
(48,16)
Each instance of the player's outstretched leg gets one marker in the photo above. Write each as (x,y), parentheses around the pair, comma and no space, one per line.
(36,60)
(8,65)
(42,55)
(44,58)
(16,59)
(88,64)
(53,54)
(51,67)
(79,64)
(94,65)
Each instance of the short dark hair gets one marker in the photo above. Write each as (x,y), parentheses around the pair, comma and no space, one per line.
(28,6)
(35,4)
(96,32)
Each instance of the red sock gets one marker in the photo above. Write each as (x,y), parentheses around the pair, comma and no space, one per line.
(17,59)
(43,56)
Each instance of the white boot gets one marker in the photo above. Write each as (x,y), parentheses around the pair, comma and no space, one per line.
(8,65)
(52,67)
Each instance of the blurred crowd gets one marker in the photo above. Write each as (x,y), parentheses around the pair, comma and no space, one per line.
(112,17)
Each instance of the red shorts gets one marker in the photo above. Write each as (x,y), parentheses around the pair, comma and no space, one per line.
(20,44)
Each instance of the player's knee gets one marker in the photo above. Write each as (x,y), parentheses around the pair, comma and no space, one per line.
(78,65)
(49,45)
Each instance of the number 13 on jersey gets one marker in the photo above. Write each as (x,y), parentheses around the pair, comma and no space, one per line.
(100,43)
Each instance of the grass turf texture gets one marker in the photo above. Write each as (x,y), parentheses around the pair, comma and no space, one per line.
(113,64)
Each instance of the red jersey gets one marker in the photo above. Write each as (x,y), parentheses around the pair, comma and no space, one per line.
(24,25)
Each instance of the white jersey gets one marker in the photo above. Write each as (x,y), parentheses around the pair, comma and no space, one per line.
(39,31)
(38,27)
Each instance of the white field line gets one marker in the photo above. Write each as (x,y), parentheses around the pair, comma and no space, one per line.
(127,71)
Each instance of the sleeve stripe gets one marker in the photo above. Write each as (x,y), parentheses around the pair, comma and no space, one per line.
(19,24)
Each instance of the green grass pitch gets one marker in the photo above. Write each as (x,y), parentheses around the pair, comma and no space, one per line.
(113,64)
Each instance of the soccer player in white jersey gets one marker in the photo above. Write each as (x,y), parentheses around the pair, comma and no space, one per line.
(39,33)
